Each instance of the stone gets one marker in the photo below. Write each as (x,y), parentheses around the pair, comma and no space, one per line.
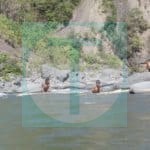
(140,87)
(48,71)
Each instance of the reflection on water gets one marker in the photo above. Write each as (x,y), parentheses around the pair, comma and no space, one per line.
(135,137)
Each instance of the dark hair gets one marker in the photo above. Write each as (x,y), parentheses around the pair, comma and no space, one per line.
(47,79)
(98,81)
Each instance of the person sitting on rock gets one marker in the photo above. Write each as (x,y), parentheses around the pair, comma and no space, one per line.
(46,85)
(97,88)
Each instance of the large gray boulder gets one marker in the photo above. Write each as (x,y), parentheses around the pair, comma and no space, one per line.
(141,87)
(17,82)
(139,77)
(133,79)
(48,71)
(110,75)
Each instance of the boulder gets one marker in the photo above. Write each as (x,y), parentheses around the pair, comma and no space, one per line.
(133,79)
(141,87)
(76,77)
(110,75)
(139,77)
(17,82)
(62,75)
(48,71)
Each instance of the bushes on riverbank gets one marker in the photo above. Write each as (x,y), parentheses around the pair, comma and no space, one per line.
(10,31)
(8,66)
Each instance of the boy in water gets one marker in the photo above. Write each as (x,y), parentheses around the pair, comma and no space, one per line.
(46,85)
(97,88)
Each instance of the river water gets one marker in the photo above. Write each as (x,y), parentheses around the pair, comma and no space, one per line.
(135,136)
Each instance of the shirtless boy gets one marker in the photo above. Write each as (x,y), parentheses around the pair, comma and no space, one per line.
(46,85)
(97,88)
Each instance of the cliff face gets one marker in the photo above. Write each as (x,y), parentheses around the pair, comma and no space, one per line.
(143,5)
(89,11)
(88,20)
(92,11)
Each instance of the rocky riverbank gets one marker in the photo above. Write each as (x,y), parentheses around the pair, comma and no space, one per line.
(64,79)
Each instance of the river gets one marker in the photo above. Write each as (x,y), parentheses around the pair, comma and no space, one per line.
(135,136)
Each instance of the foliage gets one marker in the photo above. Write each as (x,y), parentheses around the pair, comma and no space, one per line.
(9,31)
(9,65)
(110,9)
(115,32)
(39,10)
(136,25)
(110,24)
(110,60)
(3,58)
(135,44)
(59,51)
(56,10)
(33,32)
(91,58)
(102,58)
(136,22)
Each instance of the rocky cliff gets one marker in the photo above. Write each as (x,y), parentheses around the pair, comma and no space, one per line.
(90,11)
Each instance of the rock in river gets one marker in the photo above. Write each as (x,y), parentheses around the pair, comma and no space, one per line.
(141,87)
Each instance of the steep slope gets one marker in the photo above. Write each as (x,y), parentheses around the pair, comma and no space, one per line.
(92,11)
(87,24)
(143,5)
(88,19)
(89,11)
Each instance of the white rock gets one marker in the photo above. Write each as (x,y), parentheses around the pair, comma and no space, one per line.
(141,87)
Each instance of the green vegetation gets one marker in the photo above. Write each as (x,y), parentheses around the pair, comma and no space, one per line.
(111,60)
(8,66)
(55,10)
(59,51)
(110,9)
(91,59)
(33,32)
(101,59)
(39,10)
(9,31)
(32,24)
(136,26)
(130,32)
(21,26)
(63,53)
(115,31)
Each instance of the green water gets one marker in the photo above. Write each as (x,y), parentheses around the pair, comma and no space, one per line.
(136,136)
